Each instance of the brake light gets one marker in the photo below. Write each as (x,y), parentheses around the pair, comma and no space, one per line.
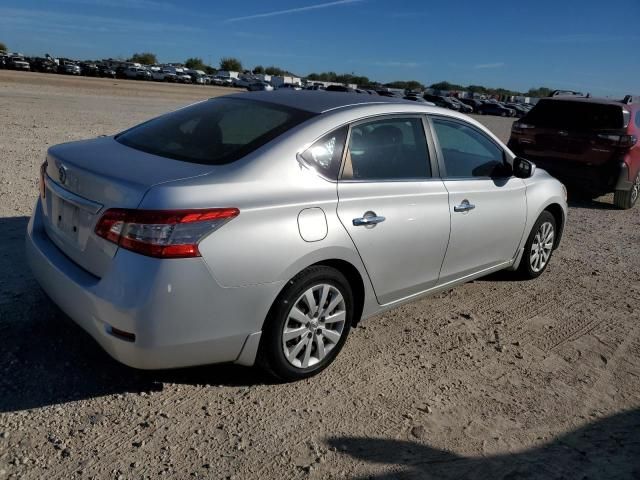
(43,171)
(623,141)
(162,233)
(519,127)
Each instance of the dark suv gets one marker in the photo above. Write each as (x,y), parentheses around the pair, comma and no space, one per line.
(589,144)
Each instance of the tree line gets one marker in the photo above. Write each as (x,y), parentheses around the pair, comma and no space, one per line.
(235,65)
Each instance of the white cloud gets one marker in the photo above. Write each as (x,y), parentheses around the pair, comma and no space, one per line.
(134,4)
(490,65)
(580,38)
(292,10)
(396,64)
(42,20)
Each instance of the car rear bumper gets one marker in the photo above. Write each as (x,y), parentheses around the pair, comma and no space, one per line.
(178,313)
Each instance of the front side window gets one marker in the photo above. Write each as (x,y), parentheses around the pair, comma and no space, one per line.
(389,149)
(214,132)
(466,152)
(325,154)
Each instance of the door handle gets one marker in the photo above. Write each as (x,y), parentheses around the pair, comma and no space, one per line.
(369,220)
(465,206)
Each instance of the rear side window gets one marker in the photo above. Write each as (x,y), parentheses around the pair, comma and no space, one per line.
(214,132)
(390,149)
(568,115)
(325,154)
(466,152)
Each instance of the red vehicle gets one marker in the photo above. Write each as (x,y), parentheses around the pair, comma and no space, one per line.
(589,144)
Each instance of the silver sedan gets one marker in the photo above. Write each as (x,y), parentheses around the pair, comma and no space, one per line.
(258,228)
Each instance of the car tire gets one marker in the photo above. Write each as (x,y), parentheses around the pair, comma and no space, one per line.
(539,247)
(626,199)
(297,341)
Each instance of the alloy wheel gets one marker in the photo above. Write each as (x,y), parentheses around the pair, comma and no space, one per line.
(314,326)
(541,247)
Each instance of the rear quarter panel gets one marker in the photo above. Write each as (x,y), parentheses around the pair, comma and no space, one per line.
(263,244)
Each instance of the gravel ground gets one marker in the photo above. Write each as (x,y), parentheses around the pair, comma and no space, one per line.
(494,379)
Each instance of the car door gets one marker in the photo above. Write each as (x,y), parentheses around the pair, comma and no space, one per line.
(486,202)
(393,206)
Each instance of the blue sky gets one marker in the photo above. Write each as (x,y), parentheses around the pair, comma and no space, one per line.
(588,45)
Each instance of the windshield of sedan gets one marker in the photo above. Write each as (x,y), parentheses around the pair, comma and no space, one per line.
(214,132)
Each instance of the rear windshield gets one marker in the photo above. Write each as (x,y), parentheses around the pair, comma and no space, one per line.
(568,115)
(214,132)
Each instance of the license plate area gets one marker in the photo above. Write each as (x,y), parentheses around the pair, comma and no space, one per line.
(65,217)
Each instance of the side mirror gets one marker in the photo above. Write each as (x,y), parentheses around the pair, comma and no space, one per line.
(523,168)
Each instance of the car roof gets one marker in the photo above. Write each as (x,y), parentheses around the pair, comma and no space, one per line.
(571,98)
(317,101)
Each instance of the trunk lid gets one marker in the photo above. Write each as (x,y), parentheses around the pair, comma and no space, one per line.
(84,179)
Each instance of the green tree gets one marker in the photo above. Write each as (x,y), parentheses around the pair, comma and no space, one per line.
(3,47)
(276,71)
(145,58)
(406,85)
(258,69)
(447,86)
(477,89)
(195,63)
(230,64)
(539,92)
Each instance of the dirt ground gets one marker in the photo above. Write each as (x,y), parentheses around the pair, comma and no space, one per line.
(494,379)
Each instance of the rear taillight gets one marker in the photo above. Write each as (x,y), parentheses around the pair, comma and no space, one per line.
(162,233)
(519,127)
(622,141)
(43,172)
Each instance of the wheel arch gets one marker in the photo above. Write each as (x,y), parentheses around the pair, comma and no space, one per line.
(351,273)
(355,281)
(558,214)
(254,345)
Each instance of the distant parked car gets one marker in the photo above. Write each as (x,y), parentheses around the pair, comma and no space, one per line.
(290,86)
(387,93)
(519,109)
(589,144)
(199,78)
(260,86)
(18,62)
(417,99)
(184,78)
(339,88)
(68,68)
(43,65)
(494,108)
(223,81)
(107,72)
(89,70)
(137,73)
(472,102)
(463,107)
(164,75)
(444,102)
